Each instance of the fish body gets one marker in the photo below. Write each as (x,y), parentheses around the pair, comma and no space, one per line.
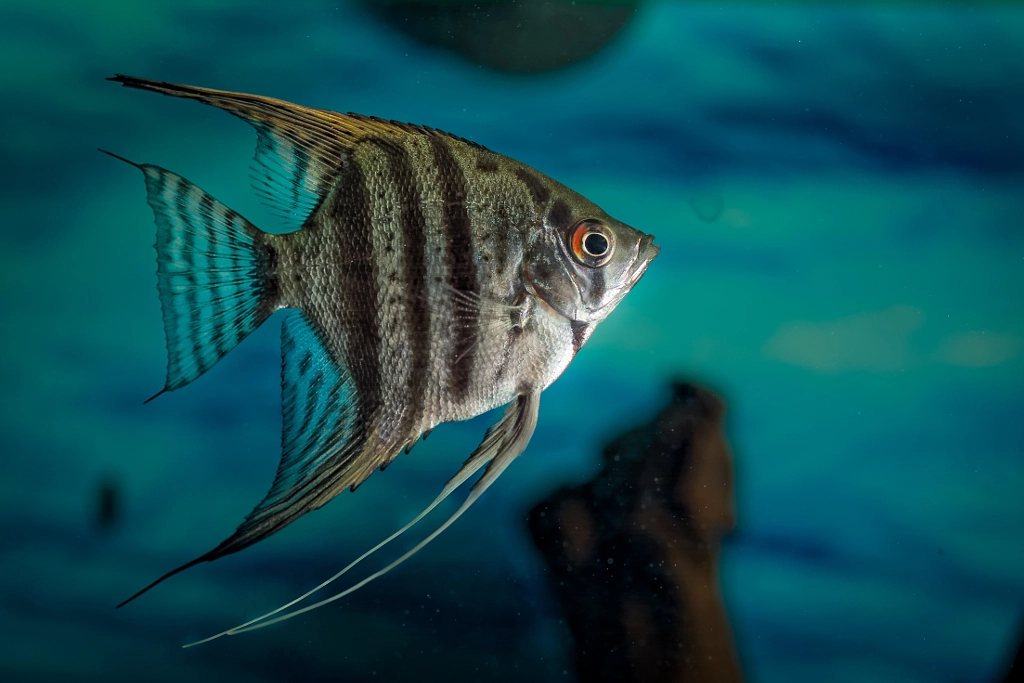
(429,280)
(433,304)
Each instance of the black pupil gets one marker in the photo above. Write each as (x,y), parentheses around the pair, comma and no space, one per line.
(595,244)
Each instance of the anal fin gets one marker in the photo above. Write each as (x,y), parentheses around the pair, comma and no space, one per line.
(320,440)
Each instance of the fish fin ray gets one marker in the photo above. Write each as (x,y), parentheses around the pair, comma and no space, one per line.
(502,444)
(475,308)
(291,174)
(215,275)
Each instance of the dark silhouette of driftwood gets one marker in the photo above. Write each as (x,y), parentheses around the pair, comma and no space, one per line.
(633,554)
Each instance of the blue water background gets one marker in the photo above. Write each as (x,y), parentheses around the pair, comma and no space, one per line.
(858,300)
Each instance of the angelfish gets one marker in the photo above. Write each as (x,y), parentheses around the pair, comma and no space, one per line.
(427,279)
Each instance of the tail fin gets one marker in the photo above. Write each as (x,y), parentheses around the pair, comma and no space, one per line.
(216,274)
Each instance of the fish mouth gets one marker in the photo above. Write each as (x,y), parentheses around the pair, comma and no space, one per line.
(646,252)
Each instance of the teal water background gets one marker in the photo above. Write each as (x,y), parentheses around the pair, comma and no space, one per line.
(858,300)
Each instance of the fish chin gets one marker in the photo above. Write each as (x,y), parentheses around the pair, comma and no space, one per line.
(599,314)
(567,308)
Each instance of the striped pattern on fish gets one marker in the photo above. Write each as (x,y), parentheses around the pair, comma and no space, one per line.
(434,277)
(430,280)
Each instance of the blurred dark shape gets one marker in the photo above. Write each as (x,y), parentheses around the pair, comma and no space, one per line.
(633,554)
(527,36)
(707,204)
(1016,672)
(108,507)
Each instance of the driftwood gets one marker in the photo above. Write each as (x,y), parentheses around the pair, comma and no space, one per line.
(633,554)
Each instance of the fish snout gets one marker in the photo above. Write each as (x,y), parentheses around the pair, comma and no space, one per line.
(648,249)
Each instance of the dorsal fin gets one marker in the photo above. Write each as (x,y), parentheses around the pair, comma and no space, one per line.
(299,150)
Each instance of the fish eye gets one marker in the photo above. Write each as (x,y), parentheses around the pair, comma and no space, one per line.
(592,243)
(595,244)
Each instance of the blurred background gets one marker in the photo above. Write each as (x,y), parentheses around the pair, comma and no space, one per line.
(838,190)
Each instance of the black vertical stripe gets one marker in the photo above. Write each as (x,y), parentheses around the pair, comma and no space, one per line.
(349,207)
(597,285)
(414,242)
(538,190)
(461,268)
(321,428)
(560,215)
(264,272)
(485,163)
(504,229)
(305,363)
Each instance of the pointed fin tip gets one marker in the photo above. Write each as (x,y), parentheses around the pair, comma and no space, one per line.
(159,393)
(151,85)
(166,576)
(119,157)
(128,81)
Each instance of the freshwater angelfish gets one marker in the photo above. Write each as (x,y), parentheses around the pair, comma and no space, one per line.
(426,279)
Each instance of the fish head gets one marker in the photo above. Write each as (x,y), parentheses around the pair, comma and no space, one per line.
(585,262)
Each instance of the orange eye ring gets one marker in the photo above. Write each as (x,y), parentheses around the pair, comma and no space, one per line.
(592,243)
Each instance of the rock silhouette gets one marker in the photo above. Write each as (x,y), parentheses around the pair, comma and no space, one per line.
(633,554)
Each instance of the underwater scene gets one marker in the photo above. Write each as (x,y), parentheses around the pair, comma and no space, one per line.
(792,451)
